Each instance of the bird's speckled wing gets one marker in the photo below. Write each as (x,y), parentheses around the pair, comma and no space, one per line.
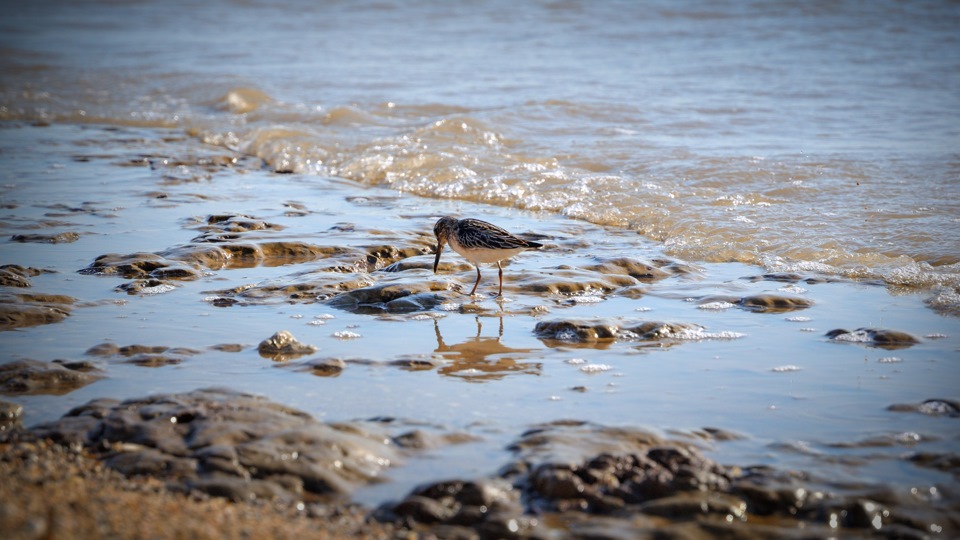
(474,233)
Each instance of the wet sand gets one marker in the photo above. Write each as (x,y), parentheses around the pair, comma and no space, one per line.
(614,390)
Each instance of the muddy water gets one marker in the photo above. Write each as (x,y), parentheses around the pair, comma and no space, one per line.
(600,326)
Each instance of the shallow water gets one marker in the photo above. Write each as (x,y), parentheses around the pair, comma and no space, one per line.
(735,139)
(799,400)
(787,135)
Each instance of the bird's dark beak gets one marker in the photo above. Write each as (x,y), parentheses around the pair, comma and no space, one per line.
(436,262)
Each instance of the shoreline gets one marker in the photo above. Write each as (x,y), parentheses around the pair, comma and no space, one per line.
(182,259)
(52,491)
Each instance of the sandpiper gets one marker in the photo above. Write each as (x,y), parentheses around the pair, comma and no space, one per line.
(478,242)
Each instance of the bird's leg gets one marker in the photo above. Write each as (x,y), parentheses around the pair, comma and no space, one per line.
(500,271)
(478,281)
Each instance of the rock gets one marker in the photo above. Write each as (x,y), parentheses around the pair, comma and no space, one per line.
(769,303)
(226,444)
(141,266)
(578,331)
(482,505)
(327,367)
(146,286)
(640,270)
(34,377)
(874,337)
(61,238)
(933,407)
(571,281)
(13,276)
(282,346)
(10,415)
(589,331)
(23,310)
(401,297)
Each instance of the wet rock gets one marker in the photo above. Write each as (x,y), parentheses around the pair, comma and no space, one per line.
(61,238)
(13,275)
(327,367)
(769,303)
(585,331)
(933,407)
(379,257)
(570,281)
(282,346)
(10,415)
(874,337)
(486,505)
(226,444)
(640,270)
(35,377)
(141,266)
(145,286)
(22,310)
(143,355)
(943,461)
(578,331)
(399,297)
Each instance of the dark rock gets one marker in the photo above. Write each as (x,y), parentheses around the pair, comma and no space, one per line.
(391,298)
(34,377)
(594,331)
(225,443)
(933,407)
(874,337)
(60,238)
(769,303)
(327,367)
(10,415)
(145,286)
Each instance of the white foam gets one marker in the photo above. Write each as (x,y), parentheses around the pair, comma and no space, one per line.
(716,306)
(696,334)
(595,368)
(345,334)
(785,369)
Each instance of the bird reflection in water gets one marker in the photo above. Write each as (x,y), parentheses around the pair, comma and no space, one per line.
(483,358)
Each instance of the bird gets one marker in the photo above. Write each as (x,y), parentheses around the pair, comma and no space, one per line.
(478,242)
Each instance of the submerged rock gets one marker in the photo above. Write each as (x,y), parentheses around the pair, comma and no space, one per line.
(770,303)
(283,346)
(35,377)
(874,337)
(141,266)
(587,331)
(22,310)
(933,407)
(14,275)
(399,297)
(60,238)
(227,444)
(612,482)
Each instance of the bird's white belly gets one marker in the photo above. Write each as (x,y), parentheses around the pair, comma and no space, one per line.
(484,255)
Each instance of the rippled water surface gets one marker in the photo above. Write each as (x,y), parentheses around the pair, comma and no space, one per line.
(733,138)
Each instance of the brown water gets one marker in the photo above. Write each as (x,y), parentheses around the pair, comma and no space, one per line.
(735,139)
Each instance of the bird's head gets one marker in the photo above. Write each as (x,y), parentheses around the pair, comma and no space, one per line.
(442,230)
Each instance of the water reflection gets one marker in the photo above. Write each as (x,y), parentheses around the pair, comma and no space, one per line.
(483,358)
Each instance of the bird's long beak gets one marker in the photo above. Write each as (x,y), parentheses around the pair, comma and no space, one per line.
(436,262)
